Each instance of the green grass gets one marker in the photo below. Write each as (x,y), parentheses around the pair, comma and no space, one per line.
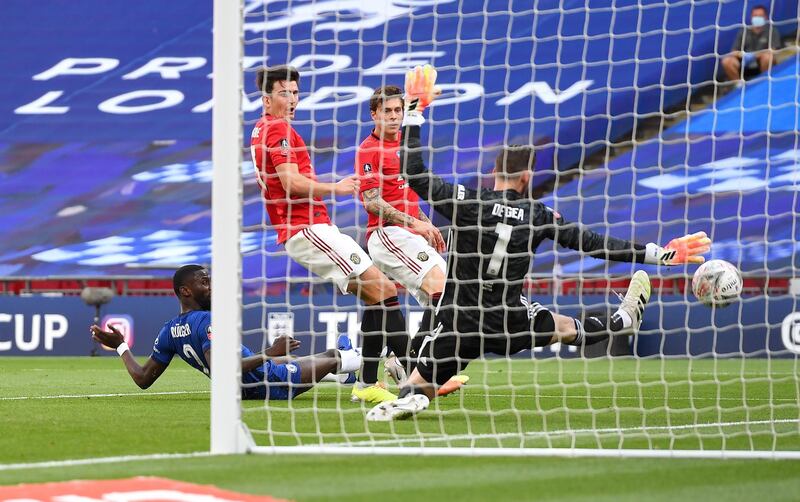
(678,404)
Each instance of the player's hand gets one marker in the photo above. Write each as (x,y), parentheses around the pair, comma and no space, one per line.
(282,346)
(420,88)
(347,186)
(686,249)
(431,234)
(111,339)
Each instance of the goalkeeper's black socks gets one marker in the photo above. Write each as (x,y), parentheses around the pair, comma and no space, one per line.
(593,330)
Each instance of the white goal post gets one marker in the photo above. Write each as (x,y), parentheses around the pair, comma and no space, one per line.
(227,430)
(703,396)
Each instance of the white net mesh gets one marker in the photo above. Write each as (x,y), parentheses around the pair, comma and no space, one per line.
(639,135)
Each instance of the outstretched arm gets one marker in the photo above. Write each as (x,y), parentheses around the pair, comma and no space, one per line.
(143,376)
(576,236)
(604,247)
(686,249)
(421,90)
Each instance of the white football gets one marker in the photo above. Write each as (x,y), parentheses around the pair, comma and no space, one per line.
(717,283)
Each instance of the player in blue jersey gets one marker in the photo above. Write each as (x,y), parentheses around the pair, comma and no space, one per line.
(271,375)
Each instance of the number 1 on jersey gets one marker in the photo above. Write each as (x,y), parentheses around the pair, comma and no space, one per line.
(503,231)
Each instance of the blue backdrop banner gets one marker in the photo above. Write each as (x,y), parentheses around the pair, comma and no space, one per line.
(105,119)
(673,325)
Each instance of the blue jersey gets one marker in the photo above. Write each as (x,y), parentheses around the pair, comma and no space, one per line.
(189,336)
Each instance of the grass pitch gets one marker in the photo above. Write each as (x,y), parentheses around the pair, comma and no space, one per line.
(76,408)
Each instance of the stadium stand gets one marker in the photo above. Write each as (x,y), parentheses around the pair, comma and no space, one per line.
(131,122)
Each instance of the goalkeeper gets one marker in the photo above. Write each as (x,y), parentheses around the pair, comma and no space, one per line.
(264,376)
(494,236)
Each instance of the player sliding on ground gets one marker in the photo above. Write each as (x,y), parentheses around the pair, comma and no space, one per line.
(402,241)
(270,375)
(293,199)
(495,234)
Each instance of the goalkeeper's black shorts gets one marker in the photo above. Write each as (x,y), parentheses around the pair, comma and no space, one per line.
(445,353)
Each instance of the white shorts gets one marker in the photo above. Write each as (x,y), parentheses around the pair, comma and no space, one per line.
(328,253)
(405,257)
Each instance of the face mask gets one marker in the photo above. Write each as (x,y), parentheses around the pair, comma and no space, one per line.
(758,21)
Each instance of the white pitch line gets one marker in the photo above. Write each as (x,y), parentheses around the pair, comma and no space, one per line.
(103,370)
(499,451)
(470,395)
(643,398)
(748,374)
(124,394)
(562,432)
(444,451)
(101,460)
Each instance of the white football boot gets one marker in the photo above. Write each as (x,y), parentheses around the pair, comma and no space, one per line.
(399,409)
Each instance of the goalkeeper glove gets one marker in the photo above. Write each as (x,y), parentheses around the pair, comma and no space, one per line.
(421,90)
(686,249)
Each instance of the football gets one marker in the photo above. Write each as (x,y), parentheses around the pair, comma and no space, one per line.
(717,283)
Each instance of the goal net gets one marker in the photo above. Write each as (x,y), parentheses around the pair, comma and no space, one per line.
(640,134)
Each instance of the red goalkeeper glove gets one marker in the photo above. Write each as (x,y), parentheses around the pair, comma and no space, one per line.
(421,90)
(686,249)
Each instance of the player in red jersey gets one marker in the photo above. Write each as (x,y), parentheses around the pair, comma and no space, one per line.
(402,241)
(293,199)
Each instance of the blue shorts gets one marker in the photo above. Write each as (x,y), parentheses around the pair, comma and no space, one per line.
(282,382)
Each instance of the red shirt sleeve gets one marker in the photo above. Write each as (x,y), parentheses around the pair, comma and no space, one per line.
(368,168)
(278,142)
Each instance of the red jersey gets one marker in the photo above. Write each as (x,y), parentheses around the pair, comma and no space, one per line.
(378,166)
(274,142)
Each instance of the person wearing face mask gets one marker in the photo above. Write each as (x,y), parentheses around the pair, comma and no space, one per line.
(753,50)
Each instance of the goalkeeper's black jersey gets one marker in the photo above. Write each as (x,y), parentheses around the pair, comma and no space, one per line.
(493,238)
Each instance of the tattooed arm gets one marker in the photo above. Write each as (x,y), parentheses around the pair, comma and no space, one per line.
(440,246)
(423,217)
(375,204)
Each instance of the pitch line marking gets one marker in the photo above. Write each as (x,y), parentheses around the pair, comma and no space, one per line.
(122,394)
(470,395)
(101,460)
(563,432)
(644,398)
